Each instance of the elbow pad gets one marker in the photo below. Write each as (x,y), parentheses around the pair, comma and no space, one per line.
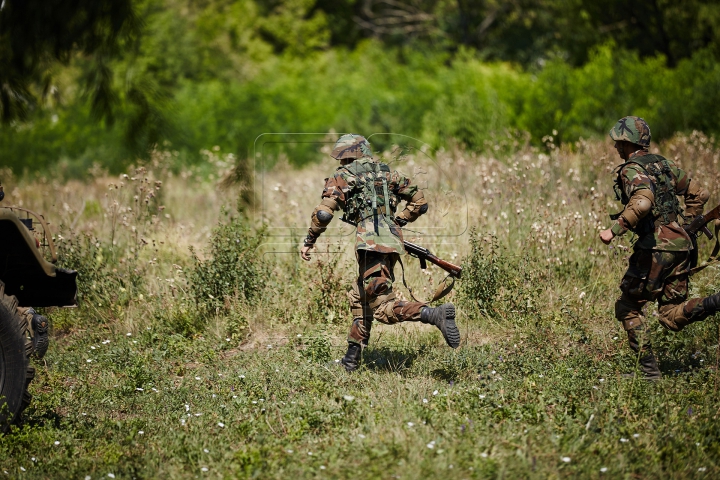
(322,215)
(640,204)
(695,199)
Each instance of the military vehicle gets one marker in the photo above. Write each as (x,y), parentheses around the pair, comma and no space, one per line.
(27,280)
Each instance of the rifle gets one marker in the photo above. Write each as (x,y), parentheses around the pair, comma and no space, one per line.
(424,255)
(700,222)
(698,225)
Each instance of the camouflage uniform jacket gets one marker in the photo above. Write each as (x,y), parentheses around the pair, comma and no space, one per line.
(653,232)
(377,229)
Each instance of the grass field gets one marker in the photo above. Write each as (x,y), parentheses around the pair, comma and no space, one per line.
(190,361)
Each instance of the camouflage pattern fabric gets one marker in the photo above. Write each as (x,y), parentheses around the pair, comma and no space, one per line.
(348,188)
(351,146)
(631,129)
(660,276)
(372,297)
(635,177)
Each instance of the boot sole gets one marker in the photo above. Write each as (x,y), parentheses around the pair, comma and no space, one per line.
(451,333)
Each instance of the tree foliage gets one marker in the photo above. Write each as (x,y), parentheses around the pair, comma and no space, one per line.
(107,81)
(34,34)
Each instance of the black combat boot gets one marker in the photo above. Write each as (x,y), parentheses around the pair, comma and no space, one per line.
(351,360)
(649,366)
(647,361)
(711,305)
(40,338)
(443,317)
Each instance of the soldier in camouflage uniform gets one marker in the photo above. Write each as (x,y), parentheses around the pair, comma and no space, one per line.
(648,186)
(369,193)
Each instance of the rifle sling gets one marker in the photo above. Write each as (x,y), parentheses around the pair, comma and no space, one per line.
(443,288)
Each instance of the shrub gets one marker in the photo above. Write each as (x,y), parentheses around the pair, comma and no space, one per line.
(232,270)
(484,270)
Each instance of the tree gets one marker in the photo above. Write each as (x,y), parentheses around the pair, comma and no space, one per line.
(37,34)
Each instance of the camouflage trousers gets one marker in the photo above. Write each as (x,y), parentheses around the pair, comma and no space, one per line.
(655,275)
(372,297)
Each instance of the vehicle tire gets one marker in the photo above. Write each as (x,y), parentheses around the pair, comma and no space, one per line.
(16,373)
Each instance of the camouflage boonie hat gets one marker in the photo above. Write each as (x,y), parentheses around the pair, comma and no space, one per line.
(631,129)
(351,146)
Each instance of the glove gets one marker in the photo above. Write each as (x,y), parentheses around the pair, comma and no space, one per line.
(400,221)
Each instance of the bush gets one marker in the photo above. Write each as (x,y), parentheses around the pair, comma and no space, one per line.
(232,270)
(496,286)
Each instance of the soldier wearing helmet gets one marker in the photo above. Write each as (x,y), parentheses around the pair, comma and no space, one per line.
(369,193)
(648,185)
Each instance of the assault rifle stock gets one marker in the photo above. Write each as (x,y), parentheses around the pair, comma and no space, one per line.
(424,255)
(699,223)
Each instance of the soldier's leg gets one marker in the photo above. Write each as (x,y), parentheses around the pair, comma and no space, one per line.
(387,309)
(675,310)
(637,286)
(359,334)
(628,310)
(362,308)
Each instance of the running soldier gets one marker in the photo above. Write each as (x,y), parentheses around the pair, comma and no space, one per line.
(369,193)
(648,185)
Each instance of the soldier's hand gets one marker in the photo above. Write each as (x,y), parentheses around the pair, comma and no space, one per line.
(305,253)
(606,236)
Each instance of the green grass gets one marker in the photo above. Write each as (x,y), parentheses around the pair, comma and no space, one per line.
(247,387)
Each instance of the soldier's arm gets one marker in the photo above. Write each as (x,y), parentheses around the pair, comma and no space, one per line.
(333,198)
(638,207)
(638,188)
(695,199)
(415,202)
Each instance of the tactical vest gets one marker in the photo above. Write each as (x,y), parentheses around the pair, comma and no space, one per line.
(667,206)
(370,196)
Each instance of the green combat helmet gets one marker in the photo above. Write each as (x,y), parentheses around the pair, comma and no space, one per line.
(351,146)
(632,129)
